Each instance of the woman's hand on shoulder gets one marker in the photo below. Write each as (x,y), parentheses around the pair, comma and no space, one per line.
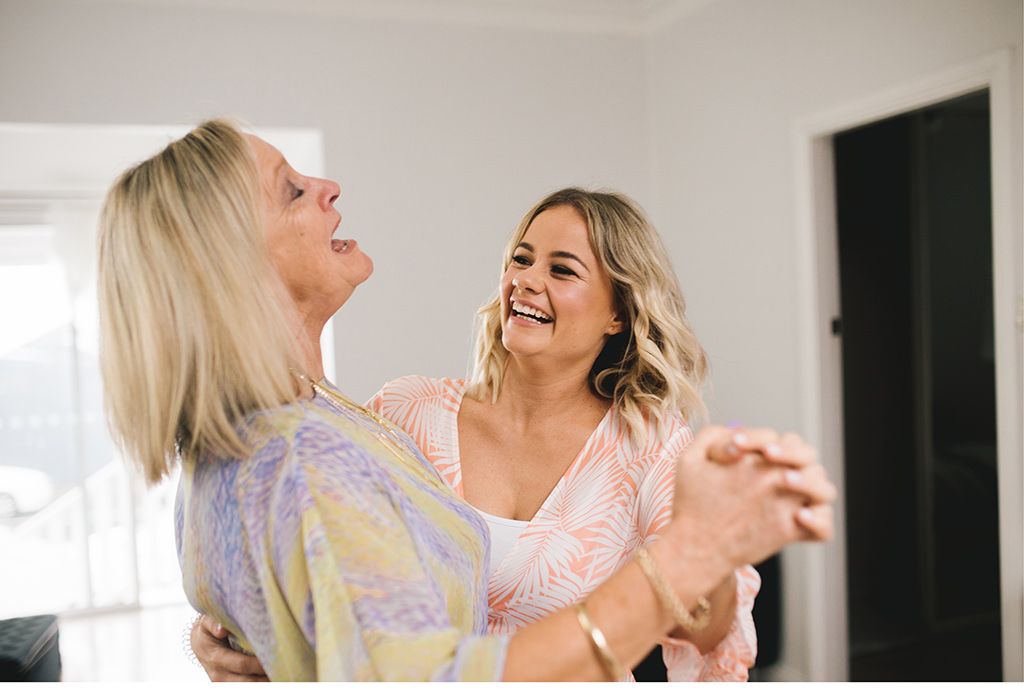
(222,663)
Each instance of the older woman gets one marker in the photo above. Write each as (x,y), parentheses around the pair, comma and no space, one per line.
(314,529)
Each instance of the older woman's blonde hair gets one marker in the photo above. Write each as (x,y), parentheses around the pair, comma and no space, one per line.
(656,366)
(194,329)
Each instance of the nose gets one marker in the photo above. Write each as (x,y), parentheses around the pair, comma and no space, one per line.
(328,193)
(527,281)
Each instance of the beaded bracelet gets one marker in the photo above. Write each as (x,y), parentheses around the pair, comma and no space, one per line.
(186,640)
(691,622)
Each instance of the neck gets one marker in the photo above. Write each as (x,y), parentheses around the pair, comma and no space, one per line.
(308,333)
(529,394)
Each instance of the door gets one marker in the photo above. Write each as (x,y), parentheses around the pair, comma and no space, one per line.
(914,219)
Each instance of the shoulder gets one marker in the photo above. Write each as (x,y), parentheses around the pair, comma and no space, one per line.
(676,435)
(398,395)
(419,387)
(315,474)
(301,434)
(291,447)
(657,440)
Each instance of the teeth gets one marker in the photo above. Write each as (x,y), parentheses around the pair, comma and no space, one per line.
(529,311)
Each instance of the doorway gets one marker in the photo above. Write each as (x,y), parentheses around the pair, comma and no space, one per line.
(914,231)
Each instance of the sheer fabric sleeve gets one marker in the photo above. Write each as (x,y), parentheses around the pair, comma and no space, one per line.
(730,660)
(355,583)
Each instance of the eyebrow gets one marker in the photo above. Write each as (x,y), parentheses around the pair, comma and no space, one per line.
(556,254)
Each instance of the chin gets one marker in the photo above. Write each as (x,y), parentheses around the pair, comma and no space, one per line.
(360,269)
(369,264)
(521,346)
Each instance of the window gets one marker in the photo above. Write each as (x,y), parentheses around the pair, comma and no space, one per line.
(78,529)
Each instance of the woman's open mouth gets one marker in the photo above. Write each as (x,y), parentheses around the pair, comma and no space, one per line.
(340,245)
(529,313)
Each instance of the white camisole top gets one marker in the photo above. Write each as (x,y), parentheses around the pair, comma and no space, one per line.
(504,533)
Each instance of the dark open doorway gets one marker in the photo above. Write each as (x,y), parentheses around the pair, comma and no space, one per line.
(913,205)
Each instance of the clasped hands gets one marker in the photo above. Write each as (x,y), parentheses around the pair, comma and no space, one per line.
(743,494)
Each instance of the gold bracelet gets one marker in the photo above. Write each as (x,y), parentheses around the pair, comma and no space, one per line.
(611,665)
(691,622)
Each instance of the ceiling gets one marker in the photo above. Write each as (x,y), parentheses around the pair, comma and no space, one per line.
(624,17)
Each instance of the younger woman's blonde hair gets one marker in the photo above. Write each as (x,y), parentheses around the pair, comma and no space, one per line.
(655,367)
(194,329)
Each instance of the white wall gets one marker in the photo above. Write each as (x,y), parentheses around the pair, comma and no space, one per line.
(441,136)
(727,85)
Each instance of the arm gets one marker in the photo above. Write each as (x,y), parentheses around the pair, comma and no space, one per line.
(654,506)
(723,615)
(747,515)
(624,608)
(368,603)
(727,647)
(731,659)
(371,592)
(208,639)
(723,516)
(686,655)
(209,643)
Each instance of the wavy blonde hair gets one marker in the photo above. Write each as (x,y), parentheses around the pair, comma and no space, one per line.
(655,366)
(193,320)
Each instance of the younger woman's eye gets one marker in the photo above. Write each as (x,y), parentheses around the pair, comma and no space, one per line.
(520,260)
(561,270)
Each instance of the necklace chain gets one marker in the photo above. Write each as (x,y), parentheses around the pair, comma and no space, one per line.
(386,432)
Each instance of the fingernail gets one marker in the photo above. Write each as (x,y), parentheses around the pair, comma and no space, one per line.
(741,439)
(219,627)
(773,449)
(793,478)
(805,514)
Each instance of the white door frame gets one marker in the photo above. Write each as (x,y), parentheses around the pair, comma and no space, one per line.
(815,599)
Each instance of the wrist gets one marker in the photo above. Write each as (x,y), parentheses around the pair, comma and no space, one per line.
(690,564)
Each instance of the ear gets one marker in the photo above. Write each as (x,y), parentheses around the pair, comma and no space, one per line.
(615,326)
